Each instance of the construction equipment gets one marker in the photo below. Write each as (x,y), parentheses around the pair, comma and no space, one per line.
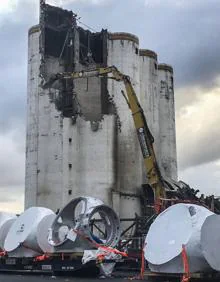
(145,137)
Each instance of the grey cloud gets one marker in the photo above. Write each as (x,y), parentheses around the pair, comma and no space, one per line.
(13,33)
(183,35)
(198,135)
(197,178)
(186,37)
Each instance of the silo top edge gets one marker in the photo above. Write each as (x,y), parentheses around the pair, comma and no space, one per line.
(165,67)
(33,29)
(123,36)
(148,53)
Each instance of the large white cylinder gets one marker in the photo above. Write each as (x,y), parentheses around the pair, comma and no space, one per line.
(6,220)
(210,241)
(43,232)
(123,53)
(168,158)
(21,240)
(177,226)
(149,96)
(75,227)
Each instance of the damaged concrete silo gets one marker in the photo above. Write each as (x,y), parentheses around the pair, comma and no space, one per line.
(168,158)
(80,135)
(149,96)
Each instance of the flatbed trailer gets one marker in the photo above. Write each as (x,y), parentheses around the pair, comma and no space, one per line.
(52,265)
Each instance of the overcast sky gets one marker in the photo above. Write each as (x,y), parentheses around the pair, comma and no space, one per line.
(184,33)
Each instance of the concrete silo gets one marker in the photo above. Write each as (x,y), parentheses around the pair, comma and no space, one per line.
(32,116)
(149,96)
(168,158)
(123,52)
(81,139)
(44,134)
(70,131)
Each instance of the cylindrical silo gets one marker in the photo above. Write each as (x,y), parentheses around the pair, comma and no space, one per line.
(168,158)
(34,60)
(21,240)
(123,52)
(149,96)
(65,157)
(44,145)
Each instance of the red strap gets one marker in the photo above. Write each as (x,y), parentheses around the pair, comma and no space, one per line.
(186,276)
(104,248)
(157,206)
(142,264)
(41,258)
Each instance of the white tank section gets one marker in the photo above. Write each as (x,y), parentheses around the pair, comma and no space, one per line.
(6,220)
(123,53)
(21,240)
(168,157)
(210,238)
(149,96)
(178,225)
(43,233)
(77,226)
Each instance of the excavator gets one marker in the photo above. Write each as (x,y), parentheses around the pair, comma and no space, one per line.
(146,140)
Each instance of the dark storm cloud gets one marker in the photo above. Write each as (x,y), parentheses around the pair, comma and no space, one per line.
(185,36)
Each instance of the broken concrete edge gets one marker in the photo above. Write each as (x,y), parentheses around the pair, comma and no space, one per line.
(34,29)
(148,53)
(123,36)
(165,67)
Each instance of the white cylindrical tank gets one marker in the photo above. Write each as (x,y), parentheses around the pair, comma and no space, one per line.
(123,52)
(149,96)
(43,232)
(77,226)
(168,158)
(6,220)
(21,240)
(178,225)
(210,241)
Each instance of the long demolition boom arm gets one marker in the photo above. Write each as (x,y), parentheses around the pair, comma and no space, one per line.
(146,140)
